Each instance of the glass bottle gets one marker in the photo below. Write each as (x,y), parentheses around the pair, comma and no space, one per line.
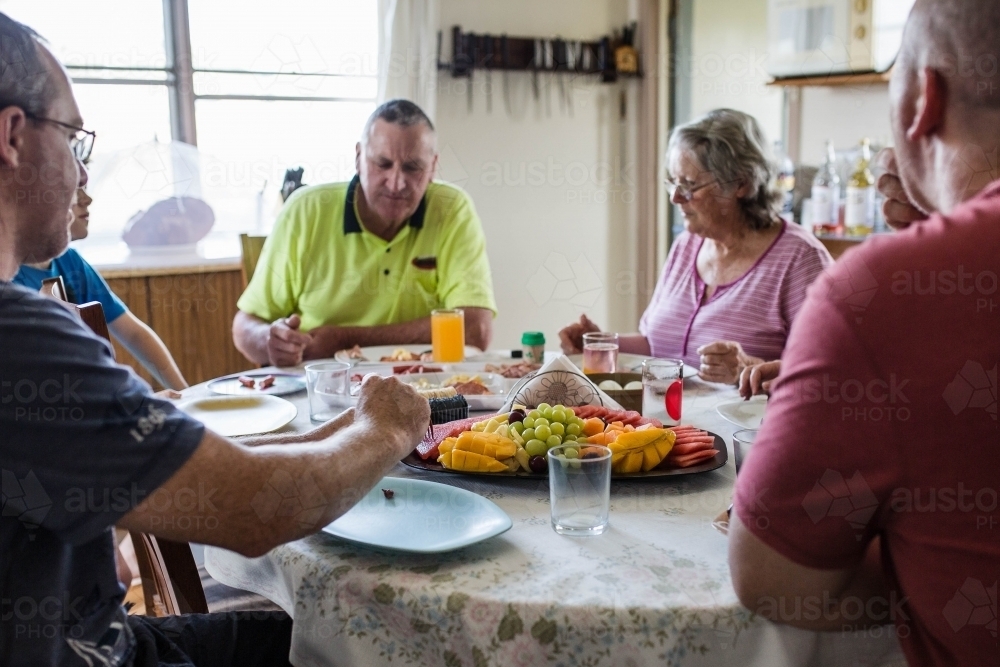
(786,178)
(859,207)
(826,196)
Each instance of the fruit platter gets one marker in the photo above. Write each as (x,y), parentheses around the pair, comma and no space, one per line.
(514,444)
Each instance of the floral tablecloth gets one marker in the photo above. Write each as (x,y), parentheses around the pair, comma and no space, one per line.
(654,589)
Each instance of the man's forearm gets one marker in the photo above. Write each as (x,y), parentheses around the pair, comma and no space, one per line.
(633,344)
(143,343)
(250,336)
(248,488)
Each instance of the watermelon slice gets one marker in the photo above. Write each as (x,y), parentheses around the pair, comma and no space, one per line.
(428,447)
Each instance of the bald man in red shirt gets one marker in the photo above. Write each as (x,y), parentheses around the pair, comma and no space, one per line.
(870,496)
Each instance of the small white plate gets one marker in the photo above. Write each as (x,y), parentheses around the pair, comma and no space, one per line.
(374,354)
(494,383)
(240,415)
(421,517)
(745,414)
(284,384)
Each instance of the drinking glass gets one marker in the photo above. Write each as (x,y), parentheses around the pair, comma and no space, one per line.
(663,390)
(600,352)
(579,489)
(742,443)
(448,335)
(327,383)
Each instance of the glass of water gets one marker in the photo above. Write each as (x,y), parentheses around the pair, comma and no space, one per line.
(742,443)
(600,352)
(663,390)
(579,489)
(327,383)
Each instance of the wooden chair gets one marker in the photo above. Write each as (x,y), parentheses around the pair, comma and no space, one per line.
(251,247)
(55,288)
(171,583)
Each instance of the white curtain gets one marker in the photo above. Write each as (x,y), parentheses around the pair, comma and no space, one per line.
(407,49)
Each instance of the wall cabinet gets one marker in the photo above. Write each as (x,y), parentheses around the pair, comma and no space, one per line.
(192,310)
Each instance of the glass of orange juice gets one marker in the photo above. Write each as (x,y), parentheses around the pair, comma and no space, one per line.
(448,335)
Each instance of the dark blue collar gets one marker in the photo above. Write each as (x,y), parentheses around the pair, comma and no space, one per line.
(353,226)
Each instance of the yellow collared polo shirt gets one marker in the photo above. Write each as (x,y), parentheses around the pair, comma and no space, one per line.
(321,263)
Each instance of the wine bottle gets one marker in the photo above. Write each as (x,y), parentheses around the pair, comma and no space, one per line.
(826,196)
(859,208)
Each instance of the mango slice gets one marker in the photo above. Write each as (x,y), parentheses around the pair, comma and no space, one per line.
(486,444)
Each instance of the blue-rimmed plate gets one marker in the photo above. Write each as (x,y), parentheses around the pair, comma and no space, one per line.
(421,517)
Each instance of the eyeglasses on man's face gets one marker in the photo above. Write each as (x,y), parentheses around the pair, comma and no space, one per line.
(82,142)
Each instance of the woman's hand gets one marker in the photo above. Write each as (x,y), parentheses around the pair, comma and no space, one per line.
(571,337)
(723,360)
(757,379)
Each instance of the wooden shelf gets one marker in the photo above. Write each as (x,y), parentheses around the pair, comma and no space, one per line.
(862,79)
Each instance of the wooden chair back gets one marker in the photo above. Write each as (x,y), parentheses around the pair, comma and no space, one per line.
(251,247)
(171,583)
(55,288)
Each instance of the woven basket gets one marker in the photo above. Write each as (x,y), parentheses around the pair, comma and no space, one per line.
(631,399)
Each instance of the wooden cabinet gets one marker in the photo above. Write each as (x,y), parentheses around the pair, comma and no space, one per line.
(192,310)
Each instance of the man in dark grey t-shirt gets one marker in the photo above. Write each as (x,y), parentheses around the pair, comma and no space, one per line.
(85,446)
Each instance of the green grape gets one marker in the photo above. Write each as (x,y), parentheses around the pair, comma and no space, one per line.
(534,414)
(573,429)
(528,433)
(558,415)
(553,441)
(528,422)
(517,427)
(571,453)
(535,448)
(542,432)
(541,421)
(557,428)
(569,438)
(542,407)
(547,413)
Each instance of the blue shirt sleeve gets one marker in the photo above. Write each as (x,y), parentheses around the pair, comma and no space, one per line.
(85,284)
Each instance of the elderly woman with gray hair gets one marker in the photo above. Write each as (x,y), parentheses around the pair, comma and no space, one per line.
(736,277)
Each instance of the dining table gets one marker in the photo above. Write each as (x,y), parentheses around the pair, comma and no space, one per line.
(653,589)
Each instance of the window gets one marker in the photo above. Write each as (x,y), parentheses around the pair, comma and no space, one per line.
(275,86)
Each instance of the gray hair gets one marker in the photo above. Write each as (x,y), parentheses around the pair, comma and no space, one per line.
(25,80)
(398,112)
(731,145)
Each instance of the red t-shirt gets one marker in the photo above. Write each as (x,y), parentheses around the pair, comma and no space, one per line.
(884,422)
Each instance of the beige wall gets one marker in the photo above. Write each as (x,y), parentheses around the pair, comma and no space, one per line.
(845,115)
(729,62)
(555,191)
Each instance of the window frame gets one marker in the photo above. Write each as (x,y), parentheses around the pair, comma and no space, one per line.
(179,76)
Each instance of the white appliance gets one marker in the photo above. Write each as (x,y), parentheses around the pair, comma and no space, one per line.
(816,37)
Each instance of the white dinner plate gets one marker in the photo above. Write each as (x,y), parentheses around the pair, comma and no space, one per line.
(374,354)
(421,517)
(745,414)
(284,384)
(240,415)
(631,363)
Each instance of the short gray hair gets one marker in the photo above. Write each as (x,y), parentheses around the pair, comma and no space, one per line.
(398,112)
(731,145)
(25,80)
(961,39)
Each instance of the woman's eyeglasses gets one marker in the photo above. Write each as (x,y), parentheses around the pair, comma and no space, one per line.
(684,192)
(82,143)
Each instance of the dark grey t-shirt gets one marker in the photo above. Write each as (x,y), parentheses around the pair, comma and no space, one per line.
(82,442)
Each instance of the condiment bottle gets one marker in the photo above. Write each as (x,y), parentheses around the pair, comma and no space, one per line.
(533,343)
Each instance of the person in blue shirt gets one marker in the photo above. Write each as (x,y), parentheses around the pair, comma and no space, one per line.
(84,284)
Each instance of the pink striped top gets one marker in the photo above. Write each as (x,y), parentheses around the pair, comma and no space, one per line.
(755,310)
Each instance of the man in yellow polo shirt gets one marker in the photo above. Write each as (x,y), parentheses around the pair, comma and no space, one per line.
(365,262)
